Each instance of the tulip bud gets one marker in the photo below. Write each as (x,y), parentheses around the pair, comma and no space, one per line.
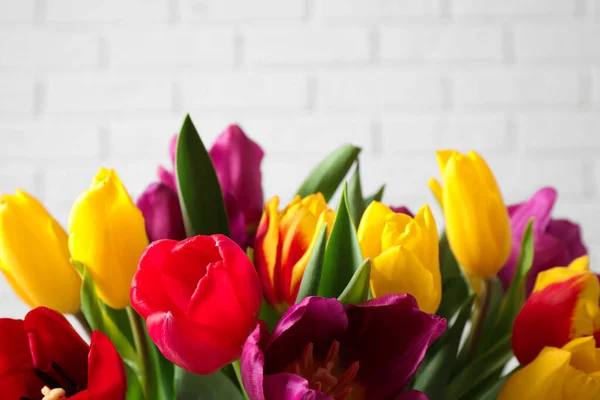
(404,251)
(34,255)
(477,224)
(162,213)
(566,373)
(284,242)
(107,235)
(200,298)
(562,307)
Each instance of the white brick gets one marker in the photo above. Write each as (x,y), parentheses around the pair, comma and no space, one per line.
(406,177)
(14,176)
(43,49)
(520,177)
(240,10)
(172,48)
(596,87)
(309,135)
(512,8)
(16,11)
(376,9)
(518,87)
(96,93)
(244,91)
(143,138)
(442,43)
(91,11)
(16,95)
(274,46)
(379,89)
(431,132)
(560,132)
(39,142)
(282,176)
(573,41)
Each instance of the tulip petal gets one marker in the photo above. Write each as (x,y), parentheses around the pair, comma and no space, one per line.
(167,178)
(267,250)
(162,213)
(253,360)
(52,338)
(237,221)
(105,370)
(148,294)
(544,378)
(412,395)
(296,329)
(570,233)
(399,271)
(196,348)
(388,337)
(237,161)
(284,386)
(371,227)
(539,206)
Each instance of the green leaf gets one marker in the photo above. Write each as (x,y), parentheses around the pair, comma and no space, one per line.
(270,315)
(481,368)
(434,375)
(97,315)
(204,387)
(238,374)
(200,194)
(342,254)
(455,288)
(357,290)
(329,174)
(515,297)
(377,196)
(134,390)
(314,268)
(355,196)
(163,370)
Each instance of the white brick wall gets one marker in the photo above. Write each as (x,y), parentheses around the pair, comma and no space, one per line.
(85,83)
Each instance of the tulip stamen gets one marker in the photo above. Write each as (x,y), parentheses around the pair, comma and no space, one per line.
(53,394)
(323,376)
(52,387)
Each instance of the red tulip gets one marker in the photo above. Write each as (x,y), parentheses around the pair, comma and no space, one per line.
(45,351)
(200,298)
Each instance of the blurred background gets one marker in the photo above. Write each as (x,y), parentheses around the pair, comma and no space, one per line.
(85,83)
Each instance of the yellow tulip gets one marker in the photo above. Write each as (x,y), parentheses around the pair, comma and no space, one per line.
(571,372)
(34,255)
(404,252)
(107,235)
(477,223)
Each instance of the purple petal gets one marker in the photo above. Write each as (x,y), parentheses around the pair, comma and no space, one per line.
(286,386)
(570,233)
(237,221)
(539,206)
(162,214)
(253,360)
(549,252)
(314,320)
(237,160)
(412,395)
(388,336)
(403,210)
(173,149)
(167,178)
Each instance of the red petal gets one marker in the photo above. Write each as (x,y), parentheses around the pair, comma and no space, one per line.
(546,319)
(106,370)
(16,367)
(52,338)
(148,294)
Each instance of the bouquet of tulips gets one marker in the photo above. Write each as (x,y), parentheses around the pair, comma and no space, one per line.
(201,290)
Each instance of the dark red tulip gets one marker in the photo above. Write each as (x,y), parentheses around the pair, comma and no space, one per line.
(45,351)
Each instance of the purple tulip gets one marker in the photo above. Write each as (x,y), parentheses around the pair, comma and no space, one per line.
(237,161)
(557,242)
(322,350)
(403,210)
(160,207)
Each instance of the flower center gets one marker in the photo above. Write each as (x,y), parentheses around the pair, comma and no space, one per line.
(327,376)
(56,388)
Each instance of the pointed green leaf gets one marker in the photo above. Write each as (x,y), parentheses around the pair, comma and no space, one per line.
(190,386)
(455,288)
(357,290)
(238,373)
(377,196)
(329,174)
(314,268)
(434,375)
(134,390)
(355,196)
(342,254)
(515,297)
(200,194)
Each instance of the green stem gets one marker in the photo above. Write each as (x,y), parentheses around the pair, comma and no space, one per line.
(83,322)
(479,320)
(238,374)
(141,346)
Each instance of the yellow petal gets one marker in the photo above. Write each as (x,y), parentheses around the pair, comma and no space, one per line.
(583,353)
(443,156)
(543,378)
(107,234)
(396,227)
(397,270)
(438,191)
(268,246)
(371,227)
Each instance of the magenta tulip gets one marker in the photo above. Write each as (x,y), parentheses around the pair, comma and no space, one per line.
(160,206)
